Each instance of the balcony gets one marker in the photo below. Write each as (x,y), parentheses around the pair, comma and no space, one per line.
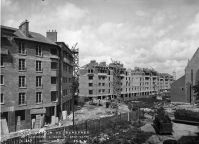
(68,61)
(54,56)
(122,75)
(102,74)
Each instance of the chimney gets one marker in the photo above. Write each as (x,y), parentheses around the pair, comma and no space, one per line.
(24,27)
(52,35)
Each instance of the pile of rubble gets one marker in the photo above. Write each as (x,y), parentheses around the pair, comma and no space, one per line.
(94,111)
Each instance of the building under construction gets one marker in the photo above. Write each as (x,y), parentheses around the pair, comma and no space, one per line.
(114,81)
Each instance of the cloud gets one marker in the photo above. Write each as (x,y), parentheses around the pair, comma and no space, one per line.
(193,28)
(140,13)
(5,3)
(149,37)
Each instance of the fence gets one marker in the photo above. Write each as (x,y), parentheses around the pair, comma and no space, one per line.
(80,131)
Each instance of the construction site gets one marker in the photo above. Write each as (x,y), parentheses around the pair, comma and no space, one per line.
(118,72)
(114,119)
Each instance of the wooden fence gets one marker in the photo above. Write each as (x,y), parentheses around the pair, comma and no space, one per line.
(80,131)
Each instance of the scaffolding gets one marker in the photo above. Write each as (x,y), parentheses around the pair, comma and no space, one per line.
(117,69)
(75,53)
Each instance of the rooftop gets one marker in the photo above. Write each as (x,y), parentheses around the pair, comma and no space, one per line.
(18,34)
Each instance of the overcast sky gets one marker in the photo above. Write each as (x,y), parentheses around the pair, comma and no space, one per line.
(162,34)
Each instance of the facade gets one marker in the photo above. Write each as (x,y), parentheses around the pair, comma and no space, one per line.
(66,68)
(178,90)
(97,80)
(31,76)
(191,76)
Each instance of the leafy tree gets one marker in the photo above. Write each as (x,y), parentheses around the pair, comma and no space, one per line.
(196,89)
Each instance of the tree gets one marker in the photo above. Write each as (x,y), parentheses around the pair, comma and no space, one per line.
(196,89)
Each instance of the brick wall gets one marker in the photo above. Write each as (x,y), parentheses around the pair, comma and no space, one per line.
(11,76)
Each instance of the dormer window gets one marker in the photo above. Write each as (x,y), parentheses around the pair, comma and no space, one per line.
(38,50)
(22,48)
(53,51)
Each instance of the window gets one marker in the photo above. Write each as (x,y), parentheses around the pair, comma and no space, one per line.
(38,97)
(2,99)
(2,61)
(99,84)
(38,66)
(70,69)
(22,81)
(21,48)
(53,65)
(38,51)
(64,92)
(2,79)
(103,84)
(65,67)
(90,71)
(90,91)
(109,91)
(90,84)
(38,81)
(53,51)
(103,90)
(90,77)
(22,98)
(53,95)
(22,64)
(99,90)
(53,80)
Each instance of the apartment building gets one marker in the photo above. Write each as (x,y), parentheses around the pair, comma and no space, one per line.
(66,83)
(97,80)
(31,76)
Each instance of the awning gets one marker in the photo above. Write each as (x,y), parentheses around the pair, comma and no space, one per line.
(38,111)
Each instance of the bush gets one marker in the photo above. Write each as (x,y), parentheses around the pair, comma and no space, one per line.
(183,114)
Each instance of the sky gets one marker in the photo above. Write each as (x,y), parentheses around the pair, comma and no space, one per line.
(158,34)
